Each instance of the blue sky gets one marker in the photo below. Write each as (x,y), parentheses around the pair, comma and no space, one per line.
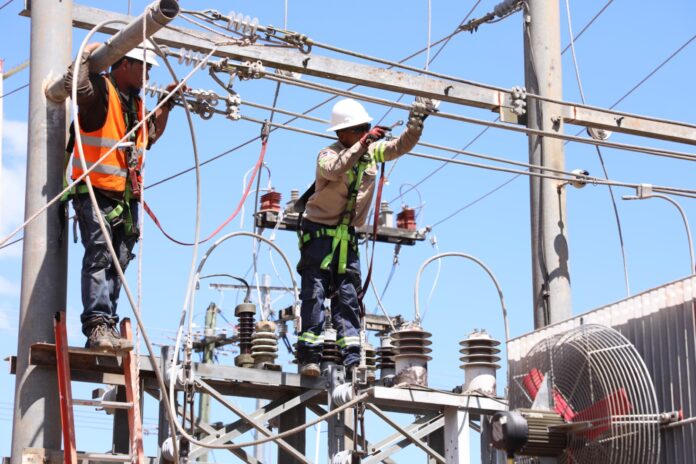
(628,41)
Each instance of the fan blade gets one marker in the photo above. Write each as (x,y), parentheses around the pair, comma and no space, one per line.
(532,384)
(600,413)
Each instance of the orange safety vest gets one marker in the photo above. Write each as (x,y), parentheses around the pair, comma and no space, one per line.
(112,172)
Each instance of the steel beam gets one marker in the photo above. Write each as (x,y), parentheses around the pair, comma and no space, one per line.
(415,440)
(385,79)
(415,400)
(266,413)
(418,429)
(260,427)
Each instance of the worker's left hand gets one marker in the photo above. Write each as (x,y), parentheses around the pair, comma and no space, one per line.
(421,108)
(168,89)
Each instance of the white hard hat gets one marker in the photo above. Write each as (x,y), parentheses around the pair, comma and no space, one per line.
(348,113)
(137,54)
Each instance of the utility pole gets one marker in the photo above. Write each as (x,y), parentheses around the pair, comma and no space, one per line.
(550,275)
(36,421)
(209,344)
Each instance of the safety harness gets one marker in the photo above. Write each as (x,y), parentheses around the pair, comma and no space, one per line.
(343,235)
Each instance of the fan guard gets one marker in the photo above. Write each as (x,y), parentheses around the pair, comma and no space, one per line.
(602,389)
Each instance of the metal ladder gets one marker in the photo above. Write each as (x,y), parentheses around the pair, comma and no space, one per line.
(128,361)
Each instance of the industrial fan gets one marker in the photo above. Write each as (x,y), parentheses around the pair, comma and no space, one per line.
(583,396)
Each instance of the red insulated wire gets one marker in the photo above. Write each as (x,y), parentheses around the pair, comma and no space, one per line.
(257,167)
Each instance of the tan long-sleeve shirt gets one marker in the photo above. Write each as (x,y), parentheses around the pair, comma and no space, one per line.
(334,162)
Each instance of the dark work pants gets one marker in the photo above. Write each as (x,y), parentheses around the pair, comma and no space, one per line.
(100,283)
(316,287)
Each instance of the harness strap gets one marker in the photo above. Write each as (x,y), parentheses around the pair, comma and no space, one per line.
(341,234)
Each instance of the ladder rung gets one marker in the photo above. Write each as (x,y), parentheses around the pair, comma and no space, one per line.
(105,457)
(103,404)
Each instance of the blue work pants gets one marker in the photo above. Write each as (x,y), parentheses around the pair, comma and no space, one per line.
(100,282)
(317,285)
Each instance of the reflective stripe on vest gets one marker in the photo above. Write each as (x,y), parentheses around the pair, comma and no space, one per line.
(112,171)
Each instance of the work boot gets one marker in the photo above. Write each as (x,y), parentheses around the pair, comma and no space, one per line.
(120,343)
(100,339)
(310,370)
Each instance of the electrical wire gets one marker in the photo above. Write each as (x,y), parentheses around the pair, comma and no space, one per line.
(7,94)
(589,23)
(470,258)
(689,193)
(433,240)
(510,127)
(472,203)
(445,39)
(247,297)
(6,4)
(188,309)
(599,152)
(5,245)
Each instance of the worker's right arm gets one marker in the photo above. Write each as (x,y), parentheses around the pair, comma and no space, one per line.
(92,94)
(333,164)
(85,90)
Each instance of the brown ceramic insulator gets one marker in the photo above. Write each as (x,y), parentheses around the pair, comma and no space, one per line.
(412,342)
(245,331)
(385,358)
(270,201)
(330,352)
(406,219)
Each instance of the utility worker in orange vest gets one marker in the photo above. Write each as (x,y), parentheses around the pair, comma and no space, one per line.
(109,107)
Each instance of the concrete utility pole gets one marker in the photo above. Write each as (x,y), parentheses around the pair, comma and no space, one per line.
(550,275)
(44,261)
(208,358)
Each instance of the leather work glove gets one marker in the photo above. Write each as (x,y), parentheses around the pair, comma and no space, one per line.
(373,135)
(421,108)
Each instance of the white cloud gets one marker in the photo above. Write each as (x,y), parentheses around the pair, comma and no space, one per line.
(14,138)
(7,287)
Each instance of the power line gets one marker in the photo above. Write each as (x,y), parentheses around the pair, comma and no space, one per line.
(498,125)
(11,243)
(6,3)
(651,73)
(14,91)
(445,39)
(533,172)
(599,153)
(599,13)
(473,202)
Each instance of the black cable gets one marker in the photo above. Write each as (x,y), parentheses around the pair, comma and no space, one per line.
(318,105)
(11,243)
(247,297)
(6,3)
(14,91)
(472,203)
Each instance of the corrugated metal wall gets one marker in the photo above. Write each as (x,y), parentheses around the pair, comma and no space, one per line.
(662,325)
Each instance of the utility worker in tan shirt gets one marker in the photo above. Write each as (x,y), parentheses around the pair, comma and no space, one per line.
(109,107)
(329,264)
